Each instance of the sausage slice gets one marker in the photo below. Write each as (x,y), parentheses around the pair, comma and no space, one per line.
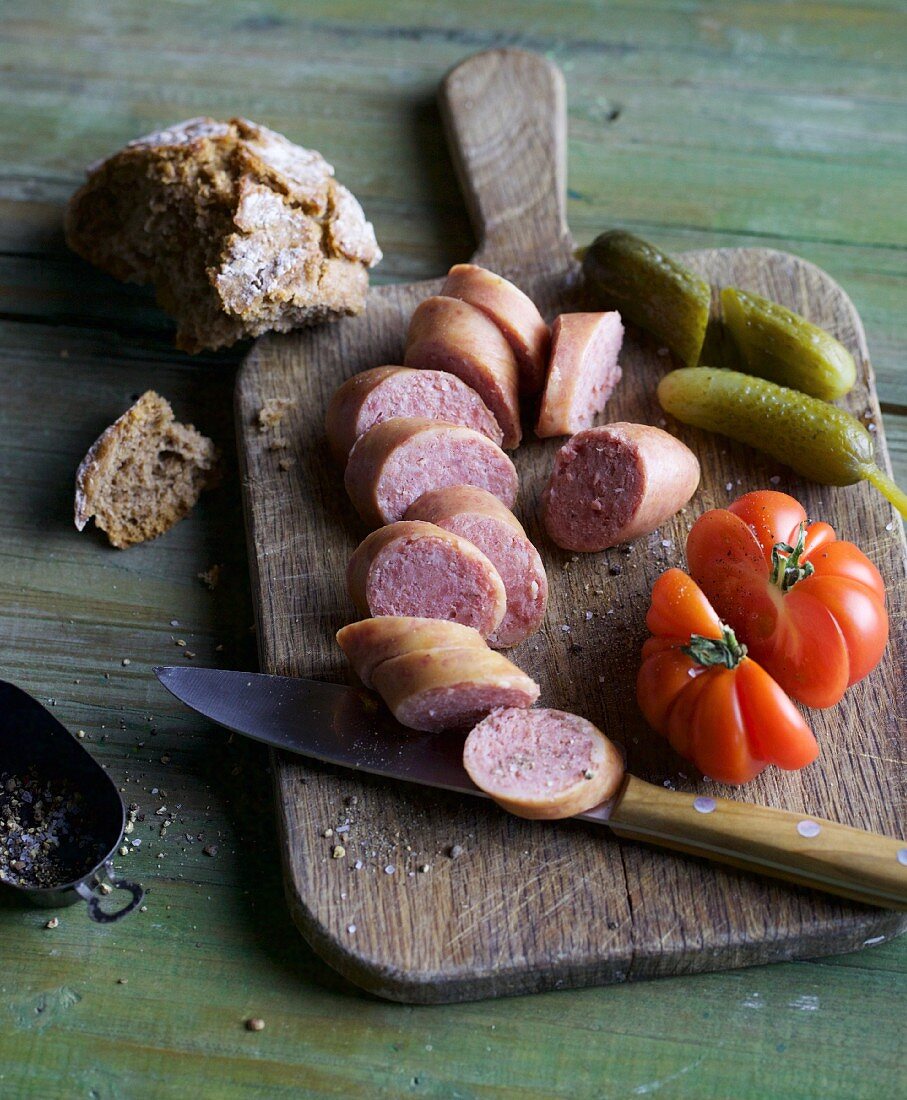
(583,371)
(398,460)
(542,763)
(613,483)
(375,395)
(480,517)
(441,689)
(369,642)
(450,335)
(419,569)
(512,311)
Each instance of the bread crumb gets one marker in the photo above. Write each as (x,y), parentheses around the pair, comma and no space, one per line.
(273,411)
(211,576)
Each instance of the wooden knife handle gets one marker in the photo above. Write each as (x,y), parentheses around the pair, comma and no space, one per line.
(807,850)
(506,120)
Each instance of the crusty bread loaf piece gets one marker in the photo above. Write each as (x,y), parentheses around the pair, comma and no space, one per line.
(239,230)
(143,474)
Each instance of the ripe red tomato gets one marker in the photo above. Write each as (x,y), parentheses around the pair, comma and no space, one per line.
(715,705)
(809,608)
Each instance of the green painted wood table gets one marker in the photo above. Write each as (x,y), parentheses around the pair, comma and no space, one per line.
(696,124)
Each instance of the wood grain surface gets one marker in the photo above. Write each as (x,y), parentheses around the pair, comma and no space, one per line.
(530,906)
(717,124)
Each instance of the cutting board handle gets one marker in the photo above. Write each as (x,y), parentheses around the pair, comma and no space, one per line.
(807,850)
(506,119)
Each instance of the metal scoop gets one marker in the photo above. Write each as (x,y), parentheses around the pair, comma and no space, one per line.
(61,816)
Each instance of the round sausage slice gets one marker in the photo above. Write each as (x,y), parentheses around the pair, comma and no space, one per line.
(613,483)
(442,689)
(398,460)
(450,335)
(480,517)
(542,763)
(369,642)
(512,311)
(419,569)
(583,371)
(375,395)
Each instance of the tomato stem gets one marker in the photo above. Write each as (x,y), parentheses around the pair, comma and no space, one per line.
(787,568)
(725,650)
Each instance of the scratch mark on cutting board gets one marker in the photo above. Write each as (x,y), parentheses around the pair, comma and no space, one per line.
(44,1008)
(654,1086)
(477,914)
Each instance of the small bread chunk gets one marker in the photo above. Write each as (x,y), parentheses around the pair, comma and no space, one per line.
(479,516)
(583,371)
(419,569)
(376,395)
(143,474)
(450,335)
(542,763)
(239,230)
(613,483)
(398,460)
(450,689)
(370,642)
(515,314)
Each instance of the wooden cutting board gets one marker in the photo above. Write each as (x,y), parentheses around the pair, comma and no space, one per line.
(532,906)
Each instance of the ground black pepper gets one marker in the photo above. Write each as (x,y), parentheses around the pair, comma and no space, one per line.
(43,842)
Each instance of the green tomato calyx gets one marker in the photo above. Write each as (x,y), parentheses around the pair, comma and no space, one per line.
(787,565)
(707,652)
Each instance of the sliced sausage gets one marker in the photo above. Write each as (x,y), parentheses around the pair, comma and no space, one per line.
(583,371)
(369,642)
(450,335)
(512,311)
(441,689)
(419,569)
(480,517)
(613,483)
(375,395)
(398,460)
(542,763)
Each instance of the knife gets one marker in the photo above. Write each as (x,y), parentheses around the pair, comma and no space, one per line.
(350,728)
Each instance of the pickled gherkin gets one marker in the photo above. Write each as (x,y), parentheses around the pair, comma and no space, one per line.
(649,289)
(818,440)
(782,346)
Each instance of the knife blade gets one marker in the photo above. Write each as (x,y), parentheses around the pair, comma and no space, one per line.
(340,725)
(328,722)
